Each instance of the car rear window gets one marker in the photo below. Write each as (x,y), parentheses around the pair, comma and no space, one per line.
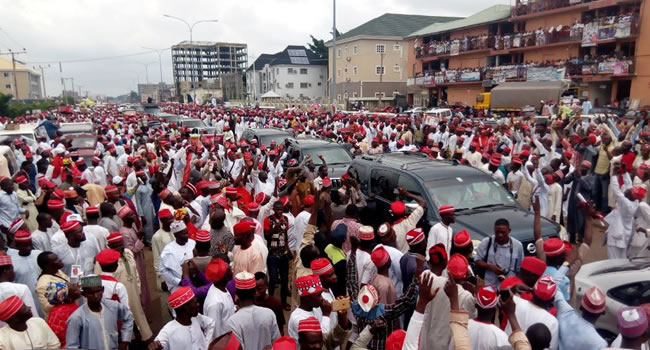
(332,155)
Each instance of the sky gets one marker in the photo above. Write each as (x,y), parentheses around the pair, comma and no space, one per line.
(80,32)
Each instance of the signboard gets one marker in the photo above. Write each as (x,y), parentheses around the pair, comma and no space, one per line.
(470,76)
(590,34)
(545,73)
(439,78)
(419,81)
(427,80)
(615,68)
(450,76)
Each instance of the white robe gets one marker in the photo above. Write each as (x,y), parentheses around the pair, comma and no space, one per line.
(439,233)
(528,314)
(219,307)
(8,289)
(196,336)
(171,259)
(485,336)
(255,327)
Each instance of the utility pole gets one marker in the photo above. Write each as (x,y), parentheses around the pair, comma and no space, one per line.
(333,89)
(13,69)
(43,79)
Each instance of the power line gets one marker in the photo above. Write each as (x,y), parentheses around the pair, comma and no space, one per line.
(80,60)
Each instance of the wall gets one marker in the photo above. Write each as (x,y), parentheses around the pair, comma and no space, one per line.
(366,59)
(475,31)
(463,94)
(640,88)
(552,53)
(468,61)
(411,60)
(315,75)
(25,90)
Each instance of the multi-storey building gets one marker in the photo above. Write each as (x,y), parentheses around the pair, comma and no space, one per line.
(157,92)
(596,45)
(26,85)
(293,73)
(197,61)
(371,59)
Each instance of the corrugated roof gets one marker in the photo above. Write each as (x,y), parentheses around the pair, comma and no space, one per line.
(394,24)
(291,55)
(490,14)
(5,65)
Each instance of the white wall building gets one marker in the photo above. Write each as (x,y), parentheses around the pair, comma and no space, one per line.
(294,73)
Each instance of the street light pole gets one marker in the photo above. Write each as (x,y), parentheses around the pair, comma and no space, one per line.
(334,99)
(162,82)
(43,79)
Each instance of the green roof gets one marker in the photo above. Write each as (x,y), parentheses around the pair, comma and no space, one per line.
(490,14)
(393,24)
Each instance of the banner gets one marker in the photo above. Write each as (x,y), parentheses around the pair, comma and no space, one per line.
(623,27)
(419,81)
(545,73)
(606,29)
(607,67)
(590,34)
(454,48)
(450,76)
(410,81)
(470,76)
(439,78)
(427,80)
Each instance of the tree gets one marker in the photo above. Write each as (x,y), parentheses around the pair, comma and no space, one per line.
(134,97)
(318,46)
(4,104)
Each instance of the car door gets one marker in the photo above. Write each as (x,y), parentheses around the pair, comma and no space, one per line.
(412,185)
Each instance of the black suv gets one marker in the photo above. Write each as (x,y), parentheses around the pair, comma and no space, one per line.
(338,158)
(266,135)
(479,200)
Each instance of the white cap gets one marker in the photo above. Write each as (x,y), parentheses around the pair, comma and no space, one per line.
(177,226)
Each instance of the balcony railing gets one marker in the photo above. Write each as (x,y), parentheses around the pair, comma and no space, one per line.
(590,34)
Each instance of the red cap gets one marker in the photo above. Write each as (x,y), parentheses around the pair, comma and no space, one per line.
(124,211)
(9,307)
(396,339)
(308,285)
(309,199)
(533,265)
(241,227)
(112,189)
(516,160)
(114,237)
(284,343)
(554,247)
(68,226)
(92,210)
(107,256)
(55,204)
(438,253)
(164,213)
(379,256)
(20,179)
(327,182)
(202,236)
(216,269)
(397,207)
(232,191)
(244,280)
(253,207)
(486,297)
(309,324)
(414,236)
(322,266)
(366,233)
(462,239)
(260,197)
(5,259)
(593,301)
(457,266)
(193,188)
(180,297)
(22,236)
(545,288)
(446,209)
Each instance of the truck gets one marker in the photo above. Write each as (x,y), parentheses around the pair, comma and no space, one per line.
(513,96)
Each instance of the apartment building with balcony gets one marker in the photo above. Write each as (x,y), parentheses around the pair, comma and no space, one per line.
(26,85)
(371,59)
(593,44)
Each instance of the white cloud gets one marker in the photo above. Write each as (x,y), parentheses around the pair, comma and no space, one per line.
(62,30)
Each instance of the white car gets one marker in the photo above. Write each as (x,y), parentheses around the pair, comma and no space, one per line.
(625,282)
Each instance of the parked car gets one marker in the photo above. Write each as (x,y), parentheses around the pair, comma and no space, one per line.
(168,118)
(337,157)
(196,126)
(29,133)
(625,282)
(266,136)
(479,200)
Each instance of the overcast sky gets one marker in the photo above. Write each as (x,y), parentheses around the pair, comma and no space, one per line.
(66,30)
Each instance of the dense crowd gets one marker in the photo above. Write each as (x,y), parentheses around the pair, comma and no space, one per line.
(229,221)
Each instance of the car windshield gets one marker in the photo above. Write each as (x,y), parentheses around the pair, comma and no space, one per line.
(75,129)
(152,110)
(193,123)
(468,193)
(278,138)
(83,142)
(332,155)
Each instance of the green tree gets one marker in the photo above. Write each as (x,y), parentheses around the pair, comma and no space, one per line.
(134,97)
(318,46)
(4,104)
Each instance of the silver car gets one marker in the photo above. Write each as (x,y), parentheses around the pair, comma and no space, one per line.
(625,282)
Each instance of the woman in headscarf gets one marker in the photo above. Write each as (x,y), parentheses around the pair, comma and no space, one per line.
(63,300)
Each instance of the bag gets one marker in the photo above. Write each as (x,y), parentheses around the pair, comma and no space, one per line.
(479,271)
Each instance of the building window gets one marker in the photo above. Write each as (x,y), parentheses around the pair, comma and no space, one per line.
(8,86)
(6,74)
(338,72)
(319,83)
(355,70)
(345,95)
(380,94)
(345,70)
(291,71)
(354,95)
(396,47)
(289,86)
(380,70)
(396,68)
(303,70)
(304,85)
(277,71)
(338,53)
(395,93)
(338,97)
(381,48)
(355,49)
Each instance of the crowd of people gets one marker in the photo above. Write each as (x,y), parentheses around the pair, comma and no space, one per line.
(229,221)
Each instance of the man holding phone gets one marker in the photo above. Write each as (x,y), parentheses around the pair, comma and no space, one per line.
(500,255)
